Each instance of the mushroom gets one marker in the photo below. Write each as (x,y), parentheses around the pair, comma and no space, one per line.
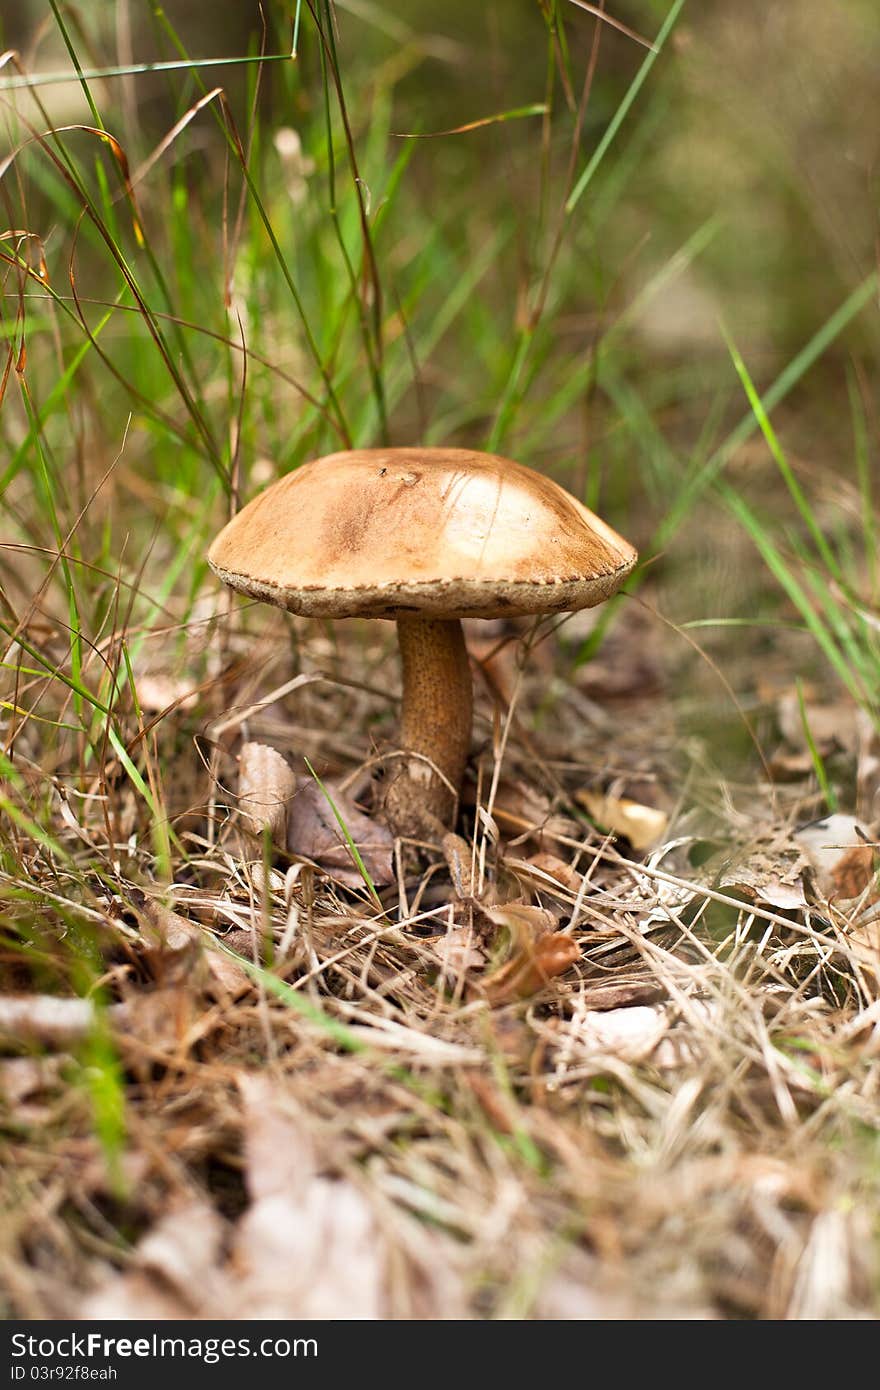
(424,537)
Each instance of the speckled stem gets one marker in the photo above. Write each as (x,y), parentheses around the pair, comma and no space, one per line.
(435,723)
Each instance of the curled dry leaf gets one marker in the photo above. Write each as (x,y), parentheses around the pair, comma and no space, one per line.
(525,922)
(266,783)
(841,854)
(770,868)
(315,833)
(533,966)
(643,826)
(855,872)
(459,859)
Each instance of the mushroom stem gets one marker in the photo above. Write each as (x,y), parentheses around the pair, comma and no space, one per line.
(435,724)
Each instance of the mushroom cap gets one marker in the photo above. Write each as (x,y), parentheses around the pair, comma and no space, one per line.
(448,533)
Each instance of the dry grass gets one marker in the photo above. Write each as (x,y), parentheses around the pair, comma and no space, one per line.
(684,1124)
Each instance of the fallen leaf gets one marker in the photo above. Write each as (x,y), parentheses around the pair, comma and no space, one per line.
(551,866)
(525,923)
(770,869)
(173,945)
(841,854)
(458,953)
(157,692)
(176,952)
(309,1246)
(854,872)
(228,979)
(630,1034)
(459,860)
(531,968)
(314,833)
(622,995)
(266,784)
(521,809)
(831,726)
(643,826)
(279,1154)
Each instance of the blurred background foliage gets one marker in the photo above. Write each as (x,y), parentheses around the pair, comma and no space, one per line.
(738,196)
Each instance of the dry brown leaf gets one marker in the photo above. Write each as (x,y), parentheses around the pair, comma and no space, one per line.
(531,968)
(459,860)
(458,953)
(841,854)
(520,809)
(643,826)
(176,952)
(525,922)
(173,944)
(556,868)
(770,869)
(618,996)
(314,833)
(266,784)
(856,871)
(227,979)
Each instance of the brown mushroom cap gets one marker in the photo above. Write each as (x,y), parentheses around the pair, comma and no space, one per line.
(448,533)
